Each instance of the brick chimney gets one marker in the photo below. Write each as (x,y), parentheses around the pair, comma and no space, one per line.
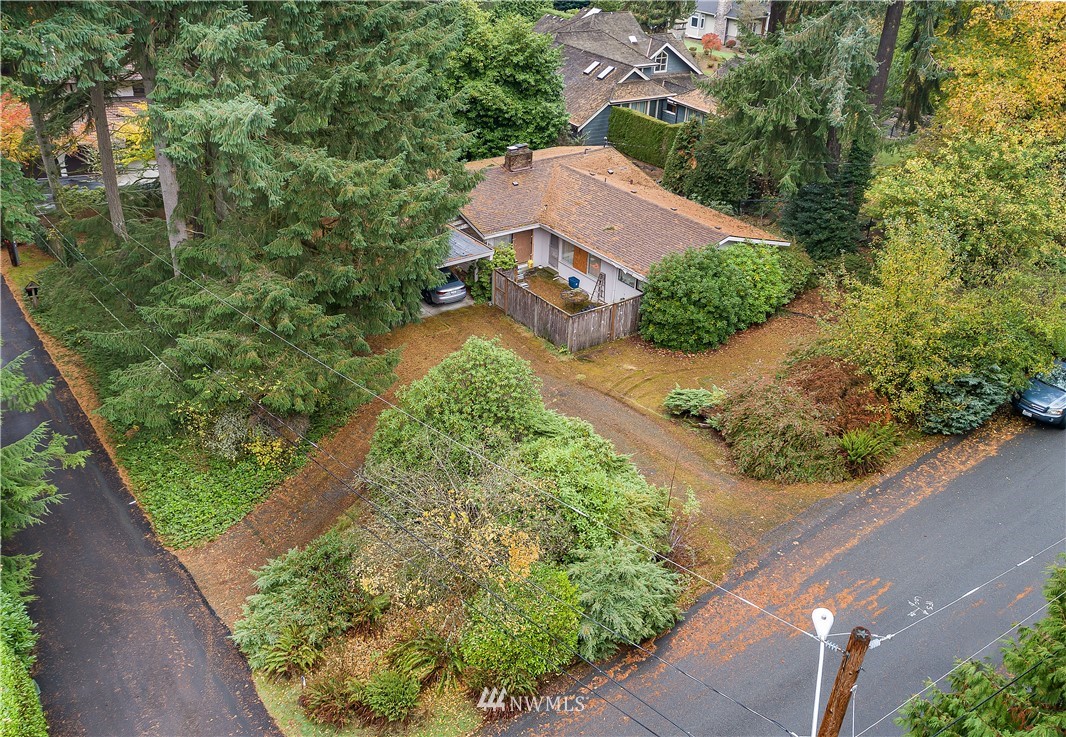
(518,157)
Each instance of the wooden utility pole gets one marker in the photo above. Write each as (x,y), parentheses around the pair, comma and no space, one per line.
(840,696)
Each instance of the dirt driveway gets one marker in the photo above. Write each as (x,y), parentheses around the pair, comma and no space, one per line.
(618,388)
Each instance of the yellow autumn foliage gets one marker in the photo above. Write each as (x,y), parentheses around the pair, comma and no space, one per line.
(1009,72)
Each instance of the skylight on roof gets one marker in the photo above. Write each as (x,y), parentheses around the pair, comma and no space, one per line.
(605,72)
(590,67)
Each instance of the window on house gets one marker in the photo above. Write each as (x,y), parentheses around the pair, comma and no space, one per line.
(640,107)
(628,279)
(660,62)
(566,253)
(594,265)
(694,21)
(671,107)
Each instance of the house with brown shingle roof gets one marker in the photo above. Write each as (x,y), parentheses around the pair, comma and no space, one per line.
(609,60)
(591,214)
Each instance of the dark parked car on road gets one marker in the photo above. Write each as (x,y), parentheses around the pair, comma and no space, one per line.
(1045,397)
(452,290)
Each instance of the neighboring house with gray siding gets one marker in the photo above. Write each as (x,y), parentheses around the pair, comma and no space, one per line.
(609,60)
(727,18)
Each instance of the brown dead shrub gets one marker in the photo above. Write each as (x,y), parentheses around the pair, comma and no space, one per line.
(843,396)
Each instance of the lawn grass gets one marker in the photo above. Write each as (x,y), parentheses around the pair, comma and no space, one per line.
(31,260)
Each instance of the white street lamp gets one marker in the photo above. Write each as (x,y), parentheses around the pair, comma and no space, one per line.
(823,622)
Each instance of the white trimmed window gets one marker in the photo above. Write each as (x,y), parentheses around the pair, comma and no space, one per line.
(628,279)
(660,62)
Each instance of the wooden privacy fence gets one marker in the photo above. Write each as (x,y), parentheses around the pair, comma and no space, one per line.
(574,332)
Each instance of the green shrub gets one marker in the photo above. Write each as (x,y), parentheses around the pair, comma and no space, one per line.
(622,588)
(513,645)
(797,270)
(964,403)
(17,630)
(21,714)
(690,401)
(481,288)
(333,701)
(695,300)
(291,654)
(390,695)
(481,394)
(583,470)
(698,167)
(641,136)
(427,657)
(869,448)
(775,433)
(307,589)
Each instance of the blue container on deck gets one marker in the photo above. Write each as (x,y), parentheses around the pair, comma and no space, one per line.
(574,282)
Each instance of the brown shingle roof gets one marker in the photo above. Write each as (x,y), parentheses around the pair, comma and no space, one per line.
(584,94)
(601,201)
(698,100)
(638,89)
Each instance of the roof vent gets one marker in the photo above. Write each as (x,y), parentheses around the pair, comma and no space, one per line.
(605,72)
(519,157)
(632,39)
(590,67)
(592,11)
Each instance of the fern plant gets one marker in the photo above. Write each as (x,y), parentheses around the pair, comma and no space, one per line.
(390,696)
(292,654)
(868,448)
(333,701)
(428,657)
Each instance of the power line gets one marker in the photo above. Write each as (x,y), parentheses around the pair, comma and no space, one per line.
(1006,685)
(486,459)
(419,541)
(414,507)
(961,663)
(972,591)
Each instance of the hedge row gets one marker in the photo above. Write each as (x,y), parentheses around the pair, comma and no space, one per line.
(641,136)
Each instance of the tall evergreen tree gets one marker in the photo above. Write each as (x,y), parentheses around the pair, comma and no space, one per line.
(793,108)
(921,80)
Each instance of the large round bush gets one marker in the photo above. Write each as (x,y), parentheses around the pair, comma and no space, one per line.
(696,299)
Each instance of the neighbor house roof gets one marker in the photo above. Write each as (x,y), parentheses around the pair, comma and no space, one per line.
(611,40)
(601,201)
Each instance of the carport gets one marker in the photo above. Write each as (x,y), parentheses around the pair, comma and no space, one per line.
(464,250)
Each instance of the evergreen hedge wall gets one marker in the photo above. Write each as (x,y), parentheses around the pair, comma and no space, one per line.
(641,136)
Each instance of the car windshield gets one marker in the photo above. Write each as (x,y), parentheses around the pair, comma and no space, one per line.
(1056,377)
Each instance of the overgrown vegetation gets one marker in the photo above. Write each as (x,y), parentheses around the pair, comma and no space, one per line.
(968,294)
(696,299)
(641,136)
(492,585)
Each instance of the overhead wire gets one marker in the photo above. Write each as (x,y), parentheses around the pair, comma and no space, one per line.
(988,698)
(974,590)
(961,663)
(429,548)
(414,507)
(486,459)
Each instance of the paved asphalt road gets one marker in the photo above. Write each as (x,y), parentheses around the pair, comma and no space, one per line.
(128,645)
(958,518)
